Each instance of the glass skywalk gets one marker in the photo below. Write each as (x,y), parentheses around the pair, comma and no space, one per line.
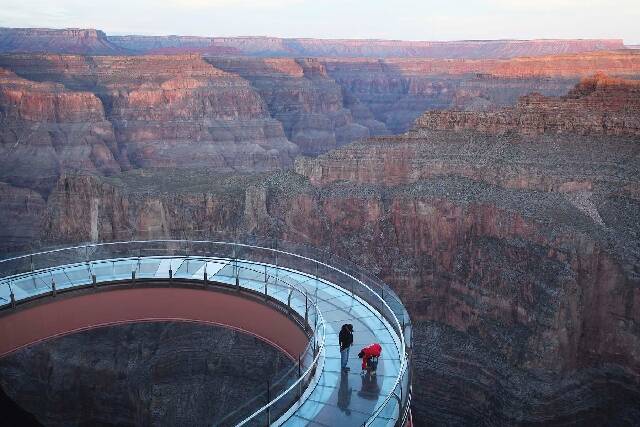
(330,397)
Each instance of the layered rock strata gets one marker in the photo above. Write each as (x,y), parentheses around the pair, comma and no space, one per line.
(46,128)
(397,91)
(598,105)
(244,113)
(307,102)
(155,111)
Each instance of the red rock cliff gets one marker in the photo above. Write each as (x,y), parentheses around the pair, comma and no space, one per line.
(598,105)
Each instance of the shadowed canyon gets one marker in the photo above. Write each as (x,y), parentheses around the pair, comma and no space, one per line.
(494,185)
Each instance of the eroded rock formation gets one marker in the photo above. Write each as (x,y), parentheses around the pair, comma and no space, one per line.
(598,105)
(46,128)
(151,111)
(308,102)
(397,91)
(105,114)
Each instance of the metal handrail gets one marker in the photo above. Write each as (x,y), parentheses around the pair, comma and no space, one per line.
(320,323)
(393,318)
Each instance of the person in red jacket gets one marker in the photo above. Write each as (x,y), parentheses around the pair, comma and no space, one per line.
(369,356)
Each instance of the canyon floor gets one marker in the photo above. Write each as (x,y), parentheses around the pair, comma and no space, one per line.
(150,373)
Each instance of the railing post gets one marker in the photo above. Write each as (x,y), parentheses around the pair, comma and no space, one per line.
(289,298)
(235,270)
(94,280)
(299,376)
(170,274)
(53,287)
(306,309)
(266,295)
(268,401)
(13,300)
(133,276)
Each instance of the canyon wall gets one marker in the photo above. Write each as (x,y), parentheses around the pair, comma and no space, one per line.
(45,128)
(397,91)
(106,114)
(307,102)
(112,113)
(516,254)
(598,105)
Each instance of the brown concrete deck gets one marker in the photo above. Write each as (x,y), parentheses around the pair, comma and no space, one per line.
(50,317)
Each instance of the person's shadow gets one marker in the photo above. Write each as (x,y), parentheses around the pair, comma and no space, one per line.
(344,394)
(370,389)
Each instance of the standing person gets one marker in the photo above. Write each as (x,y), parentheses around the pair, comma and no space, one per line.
(346,340)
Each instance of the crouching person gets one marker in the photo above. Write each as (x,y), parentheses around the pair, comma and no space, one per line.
(369,356)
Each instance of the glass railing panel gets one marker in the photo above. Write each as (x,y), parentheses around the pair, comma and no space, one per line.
(28,286)
(77,275)
(5,293)
(189,267)
(147,267)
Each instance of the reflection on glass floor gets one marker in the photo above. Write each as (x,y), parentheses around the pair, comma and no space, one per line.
(337,399)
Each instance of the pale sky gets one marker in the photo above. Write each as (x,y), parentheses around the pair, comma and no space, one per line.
(386,19)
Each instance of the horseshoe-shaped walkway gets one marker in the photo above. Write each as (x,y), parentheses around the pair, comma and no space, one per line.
(327,396)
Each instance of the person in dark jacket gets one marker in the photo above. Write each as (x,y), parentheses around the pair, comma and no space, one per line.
(346,340)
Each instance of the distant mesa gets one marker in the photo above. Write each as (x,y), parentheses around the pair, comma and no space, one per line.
(90,41)
(68,40)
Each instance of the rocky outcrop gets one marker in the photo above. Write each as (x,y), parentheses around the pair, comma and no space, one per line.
(598,105)
(68,40)
(125,375)
(307,102)
(22,212)
(45,129)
